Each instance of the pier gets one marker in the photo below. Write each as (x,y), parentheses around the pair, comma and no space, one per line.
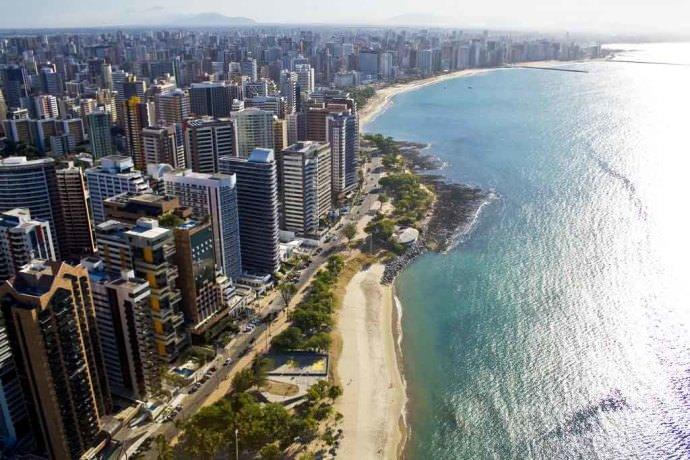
(559,69)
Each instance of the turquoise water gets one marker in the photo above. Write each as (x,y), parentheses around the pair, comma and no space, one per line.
(560,328)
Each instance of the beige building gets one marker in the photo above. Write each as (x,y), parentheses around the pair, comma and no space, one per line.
(50,318)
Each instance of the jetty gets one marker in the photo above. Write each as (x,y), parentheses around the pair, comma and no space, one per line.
(558,69)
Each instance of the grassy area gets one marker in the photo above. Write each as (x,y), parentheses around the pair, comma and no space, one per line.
(264,430)
(411,200)
(361,95)
(312,319)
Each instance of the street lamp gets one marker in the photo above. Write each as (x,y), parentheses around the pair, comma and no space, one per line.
(237,447)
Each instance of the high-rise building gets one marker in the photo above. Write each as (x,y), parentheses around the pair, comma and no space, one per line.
(343,136)
(115,175)
(32,184)
(206,140)
(75,128)
(22,239)
(149,251)
(137,116)
(130,207)
(213,98)
(45,129)
(386,65)
(257,200)
(316,126)
(125,326)
(305,174)
(273,104)
(15,85)
(100,139)
(252,89)
(71,187)
(215,196)
(249,69)
(46,106)
(51,82)
(153,259)
(280,134)
(305,78)
(203,290)
(3,107)
(254,128)
(172,107)
(368,64)
(50,321)
(162,145)
(288,89)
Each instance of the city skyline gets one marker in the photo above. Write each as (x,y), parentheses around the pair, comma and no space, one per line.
(588,16)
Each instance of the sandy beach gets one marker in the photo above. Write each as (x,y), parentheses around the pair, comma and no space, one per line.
(373,400)
(383,97)
(380,101)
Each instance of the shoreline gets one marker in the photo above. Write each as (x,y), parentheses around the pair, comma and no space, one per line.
(403,425)
(357,433)
(383,97)
(374,390)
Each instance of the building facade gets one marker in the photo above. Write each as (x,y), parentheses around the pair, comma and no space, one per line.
(257,200)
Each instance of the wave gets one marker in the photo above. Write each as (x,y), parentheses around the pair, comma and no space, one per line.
(406,428)
(625,180)
(463,233)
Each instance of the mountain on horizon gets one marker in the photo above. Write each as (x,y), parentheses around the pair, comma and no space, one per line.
(213,20)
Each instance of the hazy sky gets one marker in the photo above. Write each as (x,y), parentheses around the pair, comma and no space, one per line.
(671,16)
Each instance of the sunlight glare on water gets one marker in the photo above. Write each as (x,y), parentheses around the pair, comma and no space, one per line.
(560,329)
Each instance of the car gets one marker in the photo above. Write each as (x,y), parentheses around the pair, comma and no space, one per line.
(227,362)
(213,369)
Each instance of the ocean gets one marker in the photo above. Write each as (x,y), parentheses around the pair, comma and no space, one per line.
(559,327)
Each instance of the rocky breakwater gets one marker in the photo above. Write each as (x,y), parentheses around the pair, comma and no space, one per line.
(455,211)
(399,263)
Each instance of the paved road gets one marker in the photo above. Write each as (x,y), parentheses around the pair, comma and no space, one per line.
(256,341)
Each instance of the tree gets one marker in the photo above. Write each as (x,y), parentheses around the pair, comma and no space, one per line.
(260,369)
(320,341)
(318,391)
(335,264)
(287,290)
(290,339)
(270,452)
(243,381)
(165,451)
(334,392)
(169,220)
(350,231)
(208,431)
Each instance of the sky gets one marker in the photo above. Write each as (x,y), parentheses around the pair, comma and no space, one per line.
(668,16)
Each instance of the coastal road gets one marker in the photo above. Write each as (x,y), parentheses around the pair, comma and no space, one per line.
(246,346)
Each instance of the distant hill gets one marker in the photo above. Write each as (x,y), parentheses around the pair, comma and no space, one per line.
(212,20)
(414,19)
